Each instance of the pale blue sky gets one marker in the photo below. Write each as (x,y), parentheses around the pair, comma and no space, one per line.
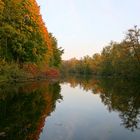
(84,27)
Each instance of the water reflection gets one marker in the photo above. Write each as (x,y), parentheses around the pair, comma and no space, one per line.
(23,109)
(123,96)
(119,95)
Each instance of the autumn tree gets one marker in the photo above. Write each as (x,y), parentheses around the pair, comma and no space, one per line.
(23,35)
(116,59)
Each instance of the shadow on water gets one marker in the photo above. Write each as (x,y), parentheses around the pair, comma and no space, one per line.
(118,95)
(24,108)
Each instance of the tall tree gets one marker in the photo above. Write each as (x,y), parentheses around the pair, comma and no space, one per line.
(23,35)
(133,41)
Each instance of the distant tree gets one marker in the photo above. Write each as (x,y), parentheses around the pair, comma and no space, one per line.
(116,59)
(133,41)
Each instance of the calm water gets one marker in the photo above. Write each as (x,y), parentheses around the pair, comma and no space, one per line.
(72,109)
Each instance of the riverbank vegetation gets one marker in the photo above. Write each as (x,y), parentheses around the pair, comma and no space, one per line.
(116,59)
(27,50)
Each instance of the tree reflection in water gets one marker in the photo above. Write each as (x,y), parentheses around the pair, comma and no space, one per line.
(23,109)
(123,96)
(120,95)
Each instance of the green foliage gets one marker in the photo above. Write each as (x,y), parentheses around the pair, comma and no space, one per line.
(12,72)
(24,38)
(56,52)
(116,59)
(21,36)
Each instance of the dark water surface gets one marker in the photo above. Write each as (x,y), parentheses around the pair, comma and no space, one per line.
(72,109)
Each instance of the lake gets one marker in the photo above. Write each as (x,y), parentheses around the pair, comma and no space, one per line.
(73,108)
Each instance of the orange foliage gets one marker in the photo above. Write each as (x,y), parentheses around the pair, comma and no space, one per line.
(37,72)
(32,69)
(52,72)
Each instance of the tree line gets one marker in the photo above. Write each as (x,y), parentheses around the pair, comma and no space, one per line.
(116,59)
(24,38)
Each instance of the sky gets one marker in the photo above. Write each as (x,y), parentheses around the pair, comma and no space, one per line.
(84,27)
